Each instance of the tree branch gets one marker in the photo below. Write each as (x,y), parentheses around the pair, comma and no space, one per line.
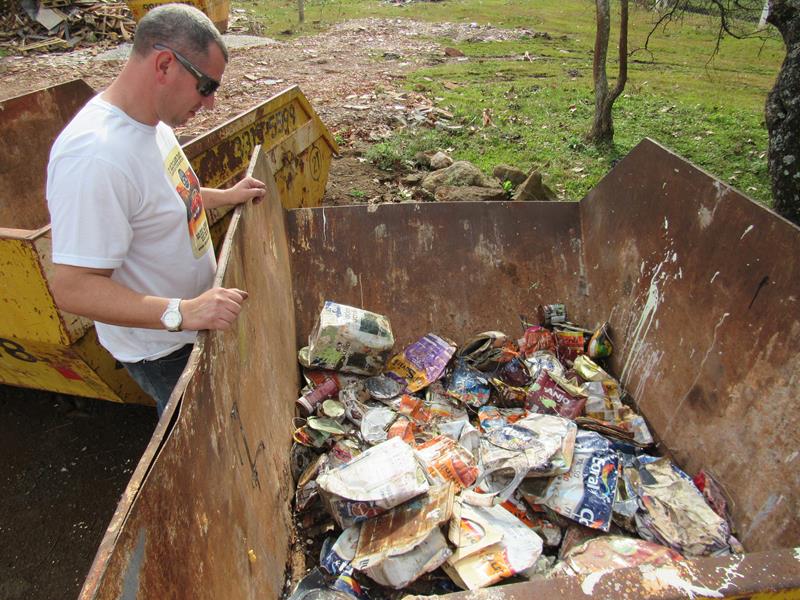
(622,78)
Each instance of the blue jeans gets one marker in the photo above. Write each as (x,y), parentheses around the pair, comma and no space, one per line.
(158,377)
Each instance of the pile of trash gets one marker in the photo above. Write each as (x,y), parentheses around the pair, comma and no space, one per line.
(446,466)
(57,25)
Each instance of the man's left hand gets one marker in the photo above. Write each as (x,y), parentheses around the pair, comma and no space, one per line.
(248,188)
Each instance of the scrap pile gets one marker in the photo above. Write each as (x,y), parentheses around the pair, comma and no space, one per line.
(53,25)
(450,466)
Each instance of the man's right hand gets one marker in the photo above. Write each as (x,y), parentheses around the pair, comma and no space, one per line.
(215,309)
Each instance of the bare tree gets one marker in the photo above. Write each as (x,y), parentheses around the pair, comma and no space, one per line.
(602,131)
(739,18)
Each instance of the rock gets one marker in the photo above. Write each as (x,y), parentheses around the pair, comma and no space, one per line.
(534,189)
(423,160)
(412,179)
(453,52)
(423,195)
(440,160)
(469,193)
(508,173)
(460,173)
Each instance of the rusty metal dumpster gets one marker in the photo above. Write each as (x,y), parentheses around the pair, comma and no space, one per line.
(700,286)
(45,348)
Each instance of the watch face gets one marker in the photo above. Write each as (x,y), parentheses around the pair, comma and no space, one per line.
(172,319)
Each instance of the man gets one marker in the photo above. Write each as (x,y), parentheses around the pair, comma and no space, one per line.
(131,243)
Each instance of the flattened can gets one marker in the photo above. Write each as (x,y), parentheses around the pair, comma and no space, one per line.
(551,314)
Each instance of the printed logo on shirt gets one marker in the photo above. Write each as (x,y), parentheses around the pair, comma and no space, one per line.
(188,187)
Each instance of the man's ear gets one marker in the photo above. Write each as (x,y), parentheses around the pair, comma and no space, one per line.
(163,60)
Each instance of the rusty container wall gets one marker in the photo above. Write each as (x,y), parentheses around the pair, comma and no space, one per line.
(207,511)
(206,514)
(702,287)
(30,123)
(444,267)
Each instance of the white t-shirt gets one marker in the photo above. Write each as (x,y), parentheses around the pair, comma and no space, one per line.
(123,196)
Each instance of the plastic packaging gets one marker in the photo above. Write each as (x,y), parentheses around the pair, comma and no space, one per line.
(421,363)
(586,493)
(398,546)
(517,550)
(447,461)
(546,396)
(468,385)
(674,512)
(348,339)
(375,481)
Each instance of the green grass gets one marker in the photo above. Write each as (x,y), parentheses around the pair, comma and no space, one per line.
(709,111)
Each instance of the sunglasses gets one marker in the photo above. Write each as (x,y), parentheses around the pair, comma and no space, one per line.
(205,84)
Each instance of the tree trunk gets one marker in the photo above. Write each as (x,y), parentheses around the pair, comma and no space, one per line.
(602,131)
(301,10)
(782,114)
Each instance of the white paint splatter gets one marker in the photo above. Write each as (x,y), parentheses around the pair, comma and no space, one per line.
(577,247)
(797,554)
(645,321)
(791,457)
(646,368)
(591,580)
(714,277)
(352,277)
(425,235)
(324,226)
(666,223)
(766,509)
(705,217)
(489,253)
(730,573)
(674,257)
(697,375)
(380,231)
(746,231)
(670,577)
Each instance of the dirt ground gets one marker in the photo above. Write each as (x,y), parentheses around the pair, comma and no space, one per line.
(65,461)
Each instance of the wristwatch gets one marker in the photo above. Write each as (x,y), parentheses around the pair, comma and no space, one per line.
(172,318)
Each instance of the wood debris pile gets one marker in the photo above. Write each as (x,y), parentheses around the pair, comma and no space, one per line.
(55,25)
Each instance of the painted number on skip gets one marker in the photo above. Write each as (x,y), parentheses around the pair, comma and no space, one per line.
(16,350)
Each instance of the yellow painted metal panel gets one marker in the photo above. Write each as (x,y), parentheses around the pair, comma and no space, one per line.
(217,10)
(781,595)
(769,595)
(283,116)
(28,310)
(51,367)
(222,155)
(301,182)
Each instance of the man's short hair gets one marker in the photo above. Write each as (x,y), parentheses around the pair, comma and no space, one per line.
(179,26)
